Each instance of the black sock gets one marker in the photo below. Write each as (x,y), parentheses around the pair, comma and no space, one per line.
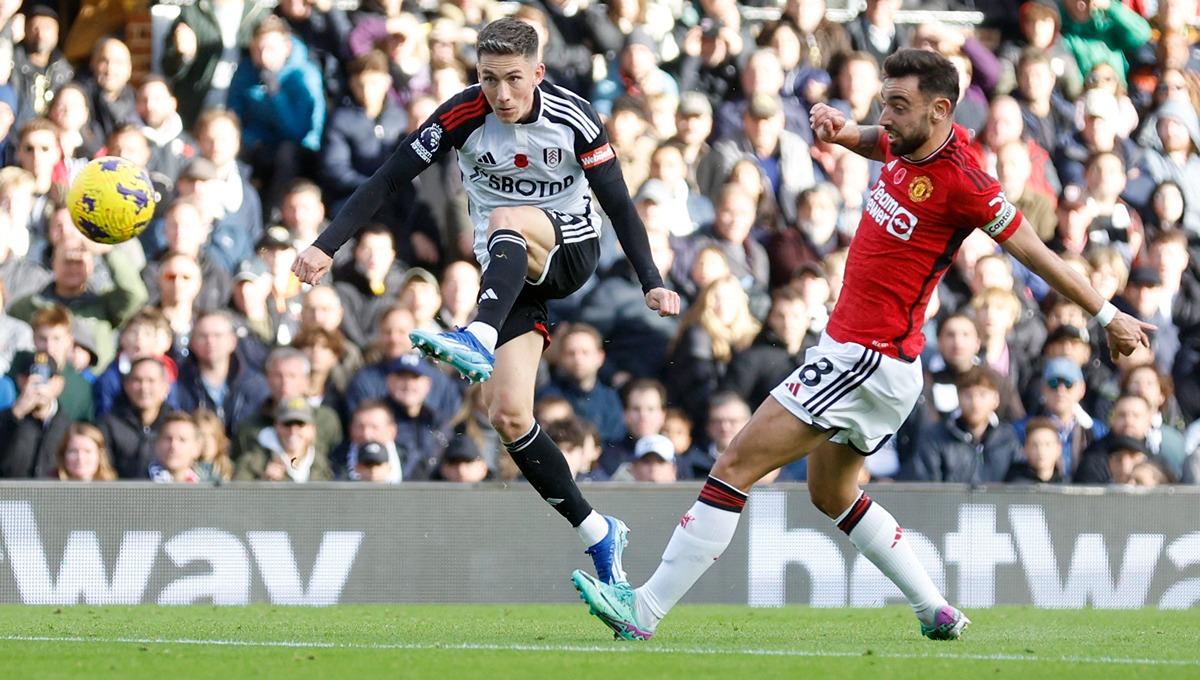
(543,464)
(504,277)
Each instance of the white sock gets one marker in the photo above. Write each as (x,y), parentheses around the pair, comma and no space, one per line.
(702,535)
(875,533)
(592,529)
(485,334)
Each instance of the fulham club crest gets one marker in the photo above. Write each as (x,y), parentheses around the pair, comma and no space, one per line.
(552,157)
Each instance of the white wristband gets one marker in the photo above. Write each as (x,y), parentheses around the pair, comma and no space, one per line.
(1106,314)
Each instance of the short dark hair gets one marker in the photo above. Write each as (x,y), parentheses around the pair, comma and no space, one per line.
(952,316)
(979,376)
(643,385)
(1040,423)
(572,432)
(936,75)
(374,60)
(508,36)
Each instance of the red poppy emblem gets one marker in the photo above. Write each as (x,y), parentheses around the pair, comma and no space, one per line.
(521,160)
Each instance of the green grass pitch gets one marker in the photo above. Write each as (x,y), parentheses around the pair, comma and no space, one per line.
(562,642)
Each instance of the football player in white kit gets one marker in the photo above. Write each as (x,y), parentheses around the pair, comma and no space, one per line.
(531,155)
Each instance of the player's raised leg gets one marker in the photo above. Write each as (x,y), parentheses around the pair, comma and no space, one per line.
(833,471)
(773,438)
(519,240)
(509,398)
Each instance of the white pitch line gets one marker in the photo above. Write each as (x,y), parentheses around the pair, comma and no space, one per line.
(593,649)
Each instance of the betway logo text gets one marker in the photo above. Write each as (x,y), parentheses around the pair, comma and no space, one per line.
(81,575)
(978,551)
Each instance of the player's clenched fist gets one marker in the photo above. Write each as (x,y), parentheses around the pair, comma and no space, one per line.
(311,265)
(663,301)
(827,122)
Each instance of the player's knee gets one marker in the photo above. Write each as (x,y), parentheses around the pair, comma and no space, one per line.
(735,465)
(507,219)
(510,421)
(830,501)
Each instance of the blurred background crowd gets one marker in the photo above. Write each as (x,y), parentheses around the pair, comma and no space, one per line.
(191,354)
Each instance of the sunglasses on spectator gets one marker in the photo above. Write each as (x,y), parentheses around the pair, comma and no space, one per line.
(1055,383)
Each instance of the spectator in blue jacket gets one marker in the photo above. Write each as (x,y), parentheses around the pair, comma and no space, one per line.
(278,96)
(972,445)
(363,131)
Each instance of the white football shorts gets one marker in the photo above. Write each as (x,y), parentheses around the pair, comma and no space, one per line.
(862,395)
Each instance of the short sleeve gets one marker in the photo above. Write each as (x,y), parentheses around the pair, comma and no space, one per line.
(984,206)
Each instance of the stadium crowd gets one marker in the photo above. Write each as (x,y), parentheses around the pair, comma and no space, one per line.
(191,354)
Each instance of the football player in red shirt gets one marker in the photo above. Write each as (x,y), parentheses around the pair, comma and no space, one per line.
(861,381)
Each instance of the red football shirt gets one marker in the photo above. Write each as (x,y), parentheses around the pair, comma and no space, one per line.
(915,218)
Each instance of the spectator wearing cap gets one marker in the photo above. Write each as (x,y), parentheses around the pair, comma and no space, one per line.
(177,449)
(1042,462)
(1115,462)
(288,450)
(362,131)
(186,233)
(35,426)
(423,432)
(288,376)
(373,425)
(1063,389)
(972,445)
(390,342)
(171,146)
(693,127)
(1097,133)
(1142,298)
(202,48)
(133,424)
(214,377)
(238,208)
(782,156)
(579,442)
(1177,160)
(374,464)
(39,68)
(1099,31)
(370,282)
(653,461)
(1040,22)
(421,294)
(1075,344)
(462,463)
(875,30)
(763,74)
(635,73)
(113,101)
(251,291)
(774,354)
(278,95)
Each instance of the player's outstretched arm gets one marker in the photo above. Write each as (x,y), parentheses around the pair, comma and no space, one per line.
(1125,332)
(830,125)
